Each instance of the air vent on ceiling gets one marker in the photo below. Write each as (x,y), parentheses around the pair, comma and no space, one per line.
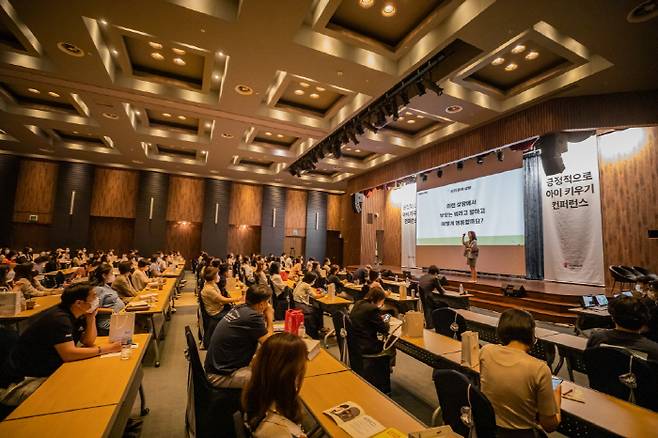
(183,153)
(261,164)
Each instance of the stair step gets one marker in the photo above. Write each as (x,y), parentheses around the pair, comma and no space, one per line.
(540,314)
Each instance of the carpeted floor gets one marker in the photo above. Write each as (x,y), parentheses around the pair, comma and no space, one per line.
(166,387)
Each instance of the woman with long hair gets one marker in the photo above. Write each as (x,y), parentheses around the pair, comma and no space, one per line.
(471,252)
(270,400)
(108,298)
(25,283)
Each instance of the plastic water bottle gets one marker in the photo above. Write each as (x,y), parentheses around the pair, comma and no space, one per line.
(461,289)
(396,278)
(301,331)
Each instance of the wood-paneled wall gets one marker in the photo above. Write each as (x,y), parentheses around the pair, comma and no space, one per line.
(36,236)
(114,193)
(35,191)
(185,238)
(333,212)
(296,212)
(110,232)
(294,245)
(243,239)
(350,228)
(581,112)
(246,205)
(629,204)
(392,252)
(185,199)
(372,220)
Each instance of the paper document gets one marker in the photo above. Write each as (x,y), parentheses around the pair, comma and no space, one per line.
(352,419)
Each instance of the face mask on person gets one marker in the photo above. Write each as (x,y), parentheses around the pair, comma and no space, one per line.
(94,305)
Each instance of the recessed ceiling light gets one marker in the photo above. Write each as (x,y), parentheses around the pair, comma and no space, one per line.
(178,51)
(244,90)
(157,56)
(510,67)
(518,48)
(179,61)
(339,73)
(220,53)
(299,92)
(214,171)
(348,149)
(453,109)
(498,61)
(103,21)
(46,150)
(137,112)
(357,150)
(166,115)
(76,132)
(268,133)
(304,84)
(314,96)
(400,118)
(53,94)
(137,162)
(411,121)
(408,114)
(320,89)
(115,52)
(33,90)
(202,30)
(227,135)
(389,10)
(279,135)
(155,45)
(208,124)
(216,76)
(420,117)
(365,4)
(182,118)
(111,116)
(70,49)
(531,55)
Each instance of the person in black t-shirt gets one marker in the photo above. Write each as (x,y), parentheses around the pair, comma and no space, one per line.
(52,340)
(236,338)
(426,285)
(630,316)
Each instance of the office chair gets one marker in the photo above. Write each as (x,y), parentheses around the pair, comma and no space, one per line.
(447,322)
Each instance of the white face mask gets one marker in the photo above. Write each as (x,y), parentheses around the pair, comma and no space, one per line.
(94,305)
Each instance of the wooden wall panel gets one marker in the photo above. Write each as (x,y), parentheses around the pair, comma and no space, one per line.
(245,205)
(581,112)
(35,190)
(333,212)
(373,205)
(185,238)
(185,199)
(294,245)
(392,251)
(296,212)
(36,236)
(629,195)
(350,228)
(243,239)
(114,193)
(111,233)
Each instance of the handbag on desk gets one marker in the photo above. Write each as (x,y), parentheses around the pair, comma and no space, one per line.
(122,327)
(294,318)
(412,325)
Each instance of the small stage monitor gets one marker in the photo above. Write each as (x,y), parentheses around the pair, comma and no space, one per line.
(601,300)
(587,301)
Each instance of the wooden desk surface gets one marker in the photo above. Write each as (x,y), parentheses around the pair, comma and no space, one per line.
(322,392)
(81,423)
(396,297)
(172,272)
(492,321)
(41,304)
(335,301)
(454,294)
(85,383)
(67,271)
(603,313)
(163,297)
(324,363)
(570,341)
(435,343)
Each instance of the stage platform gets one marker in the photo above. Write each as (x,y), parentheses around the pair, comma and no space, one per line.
(546,300)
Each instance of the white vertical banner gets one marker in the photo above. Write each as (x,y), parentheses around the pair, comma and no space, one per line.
(405,196)
(571,212)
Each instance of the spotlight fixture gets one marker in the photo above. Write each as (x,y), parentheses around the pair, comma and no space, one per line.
(157,56)
(480,159)
(531,55)
(439,173)
(429,83)
(518,49)
(389,9)
(423,177)
(404,96)
(381,118)
(500,155)
(498,61)
(115,52)
(352,136)
(392,109)
(420,87)
(460,165)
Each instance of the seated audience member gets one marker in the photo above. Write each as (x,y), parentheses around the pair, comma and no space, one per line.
(139,278)
(25,283)
(236,338)
(296,269)
(122,283)
(630,316)
(40,264)
(259,275)
(427,284)
(154,267)
(278,285)
(367,322)
(248,272)
(518,385)
(50,340)
(108,298)
(302,296)
(320,276)
(361,274)
(270,399)
(5,283)
(216,300)
(373,280)
(332,278)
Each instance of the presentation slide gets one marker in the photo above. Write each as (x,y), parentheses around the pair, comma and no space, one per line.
(492,206)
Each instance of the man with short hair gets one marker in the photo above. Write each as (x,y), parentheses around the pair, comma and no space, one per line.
(427,284)
(630,316)
(362,273)
(236,338)
(50,340)
(122,283)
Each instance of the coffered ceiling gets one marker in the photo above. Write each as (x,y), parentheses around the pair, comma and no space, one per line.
(240,89)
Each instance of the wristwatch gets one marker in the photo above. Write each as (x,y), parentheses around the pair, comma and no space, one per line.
(99,350)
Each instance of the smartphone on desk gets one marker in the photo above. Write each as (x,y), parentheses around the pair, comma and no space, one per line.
(556,382)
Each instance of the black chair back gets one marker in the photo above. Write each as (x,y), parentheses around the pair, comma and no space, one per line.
(447,322)
(240,429)
(340,319)
(455,392)
(617,372)
(212,407)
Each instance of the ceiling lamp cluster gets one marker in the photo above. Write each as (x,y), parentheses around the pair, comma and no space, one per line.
(516,50)
(374,117)
(305,87)
(388,9)
(36,91)
(158,56)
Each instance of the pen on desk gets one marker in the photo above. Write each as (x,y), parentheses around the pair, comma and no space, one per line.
(568,392)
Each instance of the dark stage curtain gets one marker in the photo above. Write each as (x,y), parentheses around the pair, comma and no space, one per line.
(534,236)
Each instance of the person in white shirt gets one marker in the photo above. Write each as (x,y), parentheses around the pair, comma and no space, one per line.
(270,399)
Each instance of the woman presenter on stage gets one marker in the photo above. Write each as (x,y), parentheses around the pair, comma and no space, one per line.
(471,252)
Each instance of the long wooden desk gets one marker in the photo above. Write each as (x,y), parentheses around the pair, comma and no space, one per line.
(324,391)
(324,363)
(402,305)
(571,349)
(41,304)
(81,423)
